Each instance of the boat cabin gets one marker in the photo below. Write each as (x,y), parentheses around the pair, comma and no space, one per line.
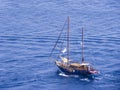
(83,66)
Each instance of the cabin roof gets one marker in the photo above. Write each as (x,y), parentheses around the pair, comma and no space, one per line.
(75,64)
(85,64)
(78,64)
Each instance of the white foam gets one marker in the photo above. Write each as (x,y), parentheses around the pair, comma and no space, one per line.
(62,74)
(85,79)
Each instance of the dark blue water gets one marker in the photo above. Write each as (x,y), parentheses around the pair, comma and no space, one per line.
(29,29)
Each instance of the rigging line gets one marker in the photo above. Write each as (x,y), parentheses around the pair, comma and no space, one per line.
(63,41)
(61,45)
(58,38)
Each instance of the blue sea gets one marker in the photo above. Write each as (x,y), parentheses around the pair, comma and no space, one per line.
(29,30)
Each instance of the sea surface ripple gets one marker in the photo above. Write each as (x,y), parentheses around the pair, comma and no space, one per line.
(29,29)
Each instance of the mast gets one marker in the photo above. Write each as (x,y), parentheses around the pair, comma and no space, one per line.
(82,46)
(68,39)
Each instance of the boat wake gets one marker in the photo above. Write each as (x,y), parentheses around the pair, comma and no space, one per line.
(85,79)
(79,77)
(65,75)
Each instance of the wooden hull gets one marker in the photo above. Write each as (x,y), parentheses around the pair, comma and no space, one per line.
(73,71)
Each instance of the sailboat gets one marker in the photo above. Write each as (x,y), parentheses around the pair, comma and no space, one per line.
(69,67)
